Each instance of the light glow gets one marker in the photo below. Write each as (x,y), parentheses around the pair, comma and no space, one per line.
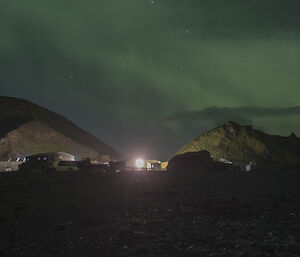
(139,163)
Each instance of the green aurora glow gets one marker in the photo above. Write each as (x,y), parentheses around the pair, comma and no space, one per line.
(118,67)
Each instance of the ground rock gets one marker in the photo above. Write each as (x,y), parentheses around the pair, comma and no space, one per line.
(195,161)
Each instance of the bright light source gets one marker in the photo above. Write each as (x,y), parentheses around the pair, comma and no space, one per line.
(139,163)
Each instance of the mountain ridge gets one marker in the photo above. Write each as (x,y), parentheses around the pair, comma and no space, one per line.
(15,112)
(242,144)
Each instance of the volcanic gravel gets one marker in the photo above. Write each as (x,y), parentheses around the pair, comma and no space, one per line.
(150,214)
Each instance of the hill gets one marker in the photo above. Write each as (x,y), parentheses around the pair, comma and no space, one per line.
(242,144)
(27,128)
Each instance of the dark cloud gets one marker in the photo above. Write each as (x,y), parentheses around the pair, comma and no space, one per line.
(243,115)
(237,19)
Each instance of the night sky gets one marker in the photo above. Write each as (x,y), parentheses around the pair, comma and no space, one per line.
(148,76)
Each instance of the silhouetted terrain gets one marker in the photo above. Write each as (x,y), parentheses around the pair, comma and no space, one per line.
(199,162)
(27,128)
(243,144)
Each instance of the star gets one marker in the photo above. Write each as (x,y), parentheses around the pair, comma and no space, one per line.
(187,31)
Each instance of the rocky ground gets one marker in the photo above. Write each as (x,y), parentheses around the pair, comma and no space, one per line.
(151,214)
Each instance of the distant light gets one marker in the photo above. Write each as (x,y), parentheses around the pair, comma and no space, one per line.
(149,166)
(139,163)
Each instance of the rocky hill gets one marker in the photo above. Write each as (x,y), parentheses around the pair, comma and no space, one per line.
(27,128)
(242,144)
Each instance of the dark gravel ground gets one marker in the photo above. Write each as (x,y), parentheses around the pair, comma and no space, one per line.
(151,214)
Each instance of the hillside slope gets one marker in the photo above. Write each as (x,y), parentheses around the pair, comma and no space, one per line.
(242,144)
(14,113)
